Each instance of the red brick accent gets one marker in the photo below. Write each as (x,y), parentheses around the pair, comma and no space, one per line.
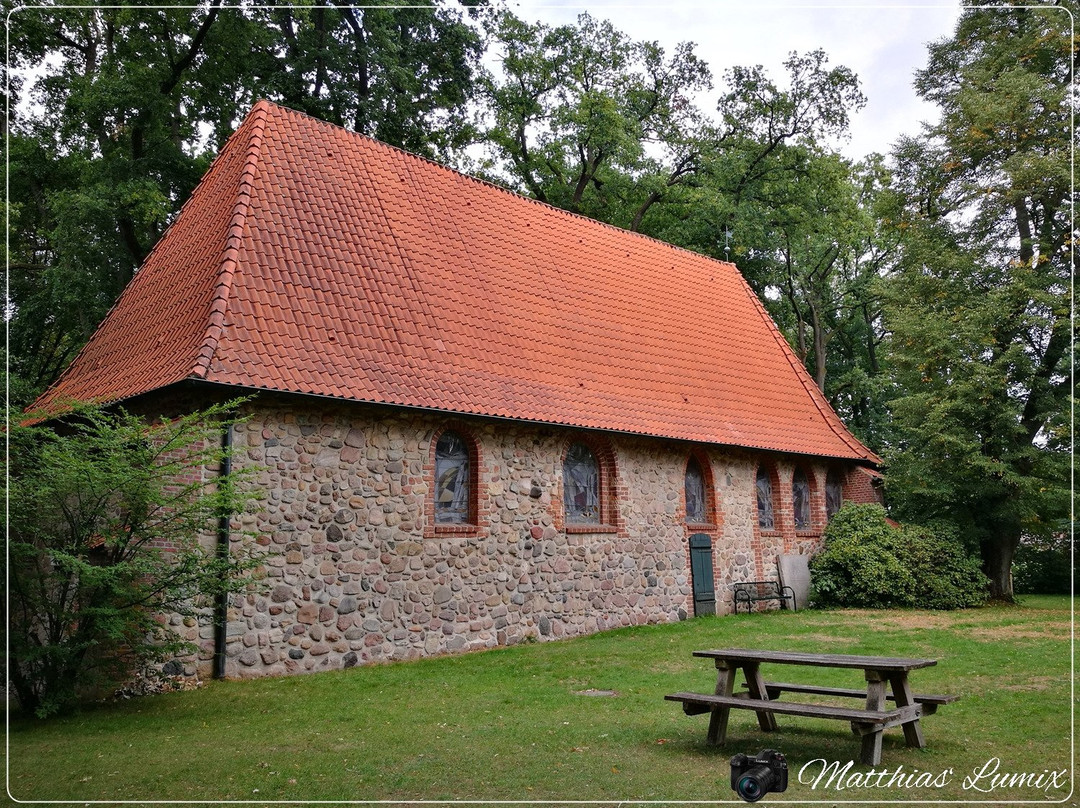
(612,489)
(479,505)
(781,517)
(714,517)
(192,476)
(864,486)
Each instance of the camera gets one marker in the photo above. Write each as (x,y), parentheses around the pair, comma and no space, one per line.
(754,777)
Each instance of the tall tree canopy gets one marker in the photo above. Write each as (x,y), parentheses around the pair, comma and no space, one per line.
(132,102)
(978,309)
(583,118)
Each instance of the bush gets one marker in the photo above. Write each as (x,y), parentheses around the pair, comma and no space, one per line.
(1044,565)
(105,516)
(865,562)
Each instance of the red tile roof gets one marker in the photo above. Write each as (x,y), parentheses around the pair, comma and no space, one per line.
(314,260)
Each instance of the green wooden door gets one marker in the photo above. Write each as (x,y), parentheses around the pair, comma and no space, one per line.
(701,574)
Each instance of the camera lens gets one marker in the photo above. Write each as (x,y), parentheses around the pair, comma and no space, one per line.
(755,783)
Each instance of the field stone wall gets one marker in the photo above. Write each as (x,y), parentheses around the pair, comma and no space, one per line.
(355,573)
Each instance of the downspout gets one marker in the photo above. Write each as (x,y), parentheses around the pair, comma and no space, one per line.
(221,605)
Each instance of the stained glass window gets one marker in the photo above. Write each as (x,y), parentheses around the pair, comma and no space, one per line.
(451,479)
(834,494)
(765,501)
(695,493)
(581,486)
(800,499)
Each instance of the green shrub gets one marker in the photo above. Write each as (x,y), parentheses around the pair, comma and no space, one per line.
(865,562)
(946,576)
(1044,565)
(106,511)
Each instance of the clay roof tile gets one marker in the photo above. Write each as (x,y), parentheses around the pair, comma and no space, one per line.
(315,260)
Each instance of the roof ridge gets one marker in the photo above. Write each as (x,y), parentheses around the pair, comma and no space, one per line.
(812,390)
(494,185)
(219,303)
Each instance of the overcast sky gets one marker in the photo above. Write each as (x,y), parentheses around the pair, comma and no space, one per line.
(883,42)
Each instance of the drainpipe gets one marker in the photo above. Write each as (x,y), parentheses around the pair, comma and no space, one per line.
(221,605)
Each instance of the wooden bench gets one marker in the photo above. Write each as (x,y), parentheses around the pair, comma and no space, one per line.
(750,592)
(868,721)
(698,703)
(930,702)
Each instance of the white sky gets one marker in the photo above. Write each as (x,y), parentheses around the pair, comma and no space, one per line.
(883,42)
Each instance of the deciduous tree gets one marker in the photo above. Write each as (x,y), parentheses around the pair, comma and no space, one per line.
(584,118)
(978,310)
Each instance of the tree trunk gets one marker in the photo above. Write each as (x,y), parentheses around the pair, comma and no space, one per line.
(997,557)
(820,339)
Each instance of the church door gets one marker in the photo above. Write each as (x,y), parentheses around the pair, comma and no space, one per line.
(701,573)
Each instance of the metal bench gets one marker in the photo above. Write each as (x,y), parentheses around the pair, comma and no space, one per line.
(750,592)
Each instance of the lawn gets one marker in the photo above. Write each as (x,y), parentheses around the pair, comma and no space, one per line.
(521,723)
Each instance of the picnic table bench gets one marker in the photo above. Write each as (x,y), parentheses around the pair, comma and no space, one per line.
(762,696)
(750,592)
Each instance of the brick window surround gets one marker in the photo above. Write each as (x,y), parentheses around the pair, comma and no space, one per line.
(710,521)
(607,483)
(834,492)
(769,469)
(474,522)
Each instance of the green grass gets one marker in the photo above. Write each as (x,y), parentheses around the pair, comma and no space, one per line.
(510,724)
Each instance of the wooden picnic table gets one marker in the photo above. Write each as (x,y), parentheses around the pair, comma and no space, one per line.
(880,674)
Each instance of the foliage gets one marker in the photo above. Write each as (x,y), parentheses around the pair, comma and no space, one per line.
(124,107)
(857,565)
(978,306)
(1045,564)
(106,513)
(587,120)
(866,562)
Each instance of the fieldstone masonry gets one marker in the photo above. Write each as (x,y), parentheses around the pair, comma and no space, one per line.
(355,571)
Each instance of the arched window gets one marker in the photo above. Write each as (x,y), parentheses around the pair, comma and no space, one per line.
(453,480)
(581,485)
(800,499)
(834,493)
(766,517)
(696,506)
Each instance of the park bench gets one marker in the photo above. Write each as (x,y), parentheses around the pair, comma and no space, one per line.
(750,592)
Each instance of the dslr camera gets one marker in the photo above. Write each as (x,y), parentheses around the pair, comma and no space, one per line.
(754,777)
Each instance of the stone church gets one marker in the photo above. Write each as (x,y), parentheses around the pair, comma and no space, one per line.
(477,419)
